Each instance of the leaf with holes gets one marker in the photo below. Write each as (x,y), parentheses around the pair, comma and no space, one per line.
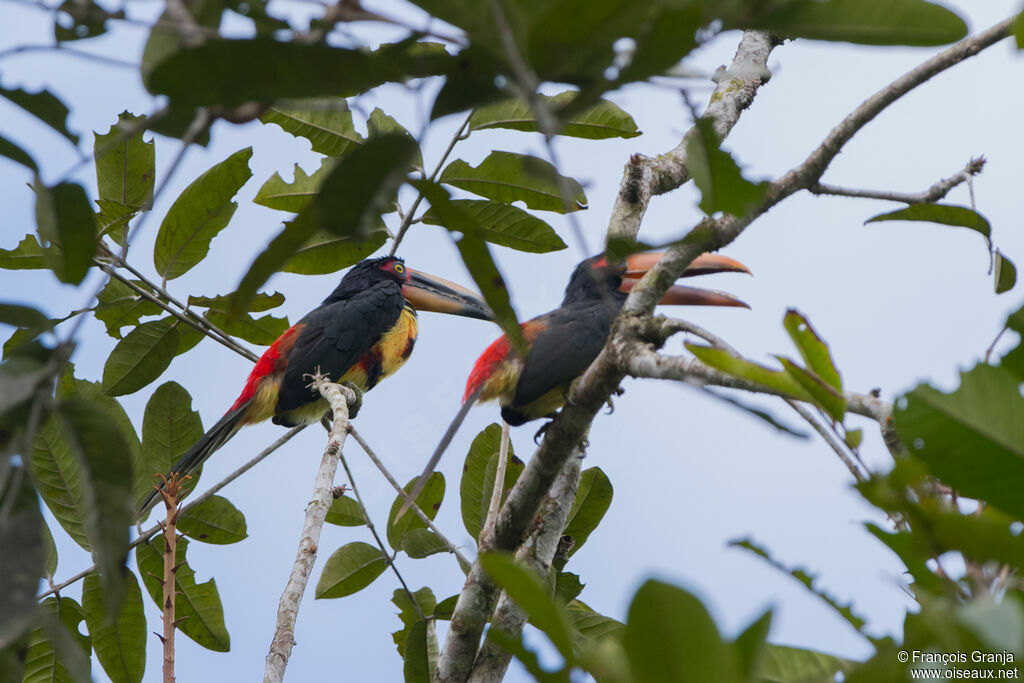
(325,121)
(262,331)
(57,651)
(140,357)
(351,568)
(28,255)
(278,194)
(198,215)
(118,306)
(125,163)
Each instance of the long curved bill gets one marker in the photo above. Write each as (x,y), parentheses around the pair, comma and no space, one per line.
(430,293)
(705,264)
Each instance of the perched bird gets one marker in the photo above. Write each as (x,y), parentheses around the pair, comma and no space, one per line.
(564,342)
(363,332)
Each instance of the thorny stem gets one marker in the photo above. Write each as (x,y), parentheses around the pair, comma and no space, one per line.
(170,493)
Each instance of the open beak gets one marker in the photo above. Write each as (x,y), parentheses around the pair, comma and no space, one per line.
(429,293)
(705,264)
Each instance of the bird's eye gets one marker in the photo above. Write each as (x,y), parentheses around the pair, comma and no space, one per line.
(399,268)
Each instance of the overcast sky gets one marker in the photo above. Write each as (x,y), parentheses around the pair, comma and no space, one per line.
(898,302)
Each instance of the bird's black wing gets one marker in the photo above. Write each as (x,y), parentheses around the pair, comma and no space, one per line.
(570,342)
(335,336)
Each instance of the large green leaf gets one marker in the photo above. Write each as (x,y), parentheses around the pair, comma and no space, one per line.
(600,121)
(140,357)
(351,568)
(508,177)
(57,651)
(325,121)
(380,123)
(775,379)
(717,176)
(24,556)
(868,22)
(971,438)
(420,543)
(660,614)
(327,253)
(263,330)
(15,153)
(261,302)
(345,511)
(45,106)
(231,72)
(420,657)
(125,163)
(782,664)
(28,255)
(530,593)
(276,193)
(943,214)
(475,486)
(200,602)
(215,520)
(428,500)
(66,220)
(498,223)
(351,200)
(120,639)
(83,470)
(593,497)
(199,213)
(169,428)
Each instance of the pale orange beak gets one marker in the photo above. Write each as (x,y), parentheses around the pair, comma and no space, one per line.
(705,264)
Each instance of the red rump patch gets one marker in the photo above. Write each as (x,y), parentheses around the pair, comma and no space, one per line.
(268,364)
(492,356)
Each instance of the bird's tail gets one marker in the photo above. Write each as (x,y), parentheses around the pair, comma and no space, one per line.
(202,449)
(467,403)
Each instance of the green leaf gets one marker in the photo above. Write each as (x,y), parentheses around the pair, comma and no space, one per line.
(326,253)
(567,586)
(200,602)
(778,380)
(16,153)
(782,664)
(417,666)
(24,556)
(428,500)
(45,106)
(261,302)
(380,123)
(231,72)
(508,177)
(528,591)
(325,121)
(83,470)
(140,357)
(51,551)
(971,438)
(853,438)
(118,306)
(169,428)
(420,543)
(351,200)
(262,331)
(498,223)
(351,568)
(215,520)
(867,22)
(592,625)
(17,315)
(120,639)
(125,163)
(198,215)
(345,511)
(603,120)
(293,196)
(661,614)
(65,218)
(1005,273)
(57,651)
(28,255)
(593,497)
(944,214)
(824,395)
(87,20)
(749,646)
(717,176)
(407,613)
(475,487)
(1018,31)
(165,39)
(815,352)
(805,578)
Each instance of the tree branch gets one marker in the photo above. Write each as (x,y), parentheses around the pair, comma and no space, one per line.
(339,397)
(933,194)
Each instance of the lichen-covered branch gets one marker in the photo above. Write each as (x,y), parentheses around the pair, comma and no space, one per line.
(339,397)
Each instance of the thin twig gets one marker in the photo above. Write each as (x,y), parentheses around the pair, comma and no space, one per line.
(152,531)
(932,194)
(339,397)
(407,219)
(829,438)
(499,477)
(452,548)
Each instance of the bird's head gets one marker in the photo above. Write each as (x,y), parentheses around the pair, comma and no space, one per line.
(596,278)
(425,292)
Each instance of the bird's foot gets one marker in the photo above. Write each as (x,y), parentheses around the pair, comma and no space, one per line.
(619,391)
(357,403)
(540,432)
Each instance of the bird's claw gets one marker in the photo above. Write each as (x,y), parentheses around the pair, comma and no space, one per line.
(540,432)
(357,403)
